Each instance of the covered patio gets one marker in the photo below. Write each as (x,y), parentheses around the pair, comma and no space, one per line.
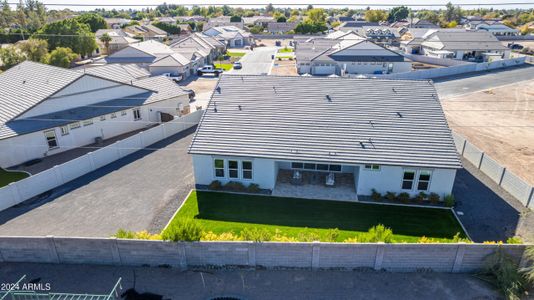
(315,185)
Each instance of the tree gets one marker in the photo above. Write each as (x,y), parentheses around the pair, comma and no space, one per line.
(281,19)
(269,8)
(6,16)
(428,15)
(34,49)
(235,19)
(375,15)
(316,15)
(452,24)
(94,21)
(105,39)
(169,28)
(68,33)
(61,57)
(452,13)
(256,29)
(398,13)
(10,56)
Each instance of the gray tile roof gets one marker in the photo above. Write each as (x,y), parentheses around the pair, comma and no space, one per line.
(463,40)
(327,49)
(118,72)
(388,122)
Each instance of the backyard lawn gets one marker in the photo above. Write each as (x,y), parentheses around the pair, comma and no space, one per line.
(225,212)
(226,67)
(286,50)
(8,177)
(235,54)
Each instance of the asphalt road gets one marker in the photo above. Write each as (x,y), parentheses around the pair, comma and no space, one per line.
(168,283)
(257,62)
(463,84)
(138,192)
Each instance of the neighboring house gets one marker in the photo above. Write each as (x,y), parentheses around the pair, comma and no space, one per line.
(61,109)
(185,28)
(258,20)
(168,20)
(342,57)
(147,32)
(414,23)
(473,23)
(175,64)
(355,25)
(198,44)
(380,34)
(223,21)
(281,27)
(467,45)
(230,35)
(343,19)
(116,23)
(498,29)
(412,38)
(140,53)
(191,19)
(364,134)
(119,40)
(344,35)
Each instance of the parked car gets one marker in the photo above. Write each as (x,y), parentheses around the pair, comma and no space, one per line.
(176,78)
(515,46)
(237,65)
(207,69)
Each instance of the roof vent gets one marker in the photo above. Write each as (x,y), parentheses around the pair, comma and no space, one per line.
(239,107)
(328,98)
(399,115)
(332,153)
(294,151)
(218,89)
(362,145)
(274,89)
(394,91)
(371,123)
(214,106)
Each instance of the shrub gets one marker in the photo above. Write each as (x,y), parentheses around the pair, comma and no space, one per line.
(278,237)
(331,235)
(124,234)
(308,236)
(354,239)
(183,230)
(404,197)
(253,188)
(215,185)
(140,235)
(421,197)
(225,236)
(514,240)
(378,233)
(458,239)
(391,196)
(449,200)
(375,195)
(528,270)
(505,274)
(255,234)
(434,198)
(234,186)
(426,240)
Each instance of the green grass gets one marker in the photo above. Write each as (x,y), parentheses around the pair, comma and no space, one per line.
(235,54)
(8,177)
(286,50)
(226,67)
(225,212)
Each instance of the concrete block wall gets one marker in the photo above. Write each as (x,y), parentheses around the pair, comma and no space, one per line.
(391,257)
(34,185)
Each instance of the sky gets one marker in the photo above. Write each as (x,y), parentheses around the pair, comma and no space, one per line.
(296,3)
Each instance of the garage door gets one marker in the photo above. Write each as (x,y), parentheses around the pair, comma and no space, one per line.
(324,70)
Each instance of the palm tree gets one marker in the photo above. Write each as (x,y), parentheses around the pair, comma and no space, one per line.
(105,38)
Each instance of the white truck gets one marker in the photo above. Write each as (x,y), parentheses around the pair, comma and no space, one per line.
(207,69)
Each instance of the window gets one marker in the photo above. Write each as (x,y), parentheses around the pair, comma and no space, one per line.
(296,165)
(335,168)
(113,115)
(309,166)
(64,130)
(322,167)
(102,118)
(137,114)
(246,169)
(75,125)
(124,113)
(50,136)
(424,180)
(233,169)
(407,179)
(372,167)
(88,122)
(219,167)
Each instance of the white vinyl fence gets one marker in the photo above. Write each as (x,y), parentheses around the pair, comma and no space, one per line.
(510,182)
(455,70)
(37,184)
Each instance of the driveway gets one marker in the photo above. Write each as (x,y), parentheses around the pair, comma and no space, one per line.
(257,62)
(138,192)
(473,82)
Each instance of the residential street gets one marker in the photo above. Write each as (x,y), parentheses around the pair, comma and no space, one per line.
(138,192)
(463,84)
(257,62)
(168,283)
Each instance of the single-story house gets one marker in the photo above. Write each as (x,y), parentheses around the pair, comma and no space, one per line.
(414,23)
(412,38)
(472,23)
(342,57)
(191,19)
(116,23)
(463,45)
(47,110)
(142,53)
(355,25)
(147,32)
(223,21)
(119,40)
(232,36)
(498,29)
(258,20)
(380,34)
(206,46)
(175,64)
(281,27)
(331,133)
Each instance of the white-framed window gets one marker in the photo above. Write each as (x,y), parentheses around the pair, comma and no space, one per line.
(423,182)
(408,179)
(136,114)
(113,115)
(64,130)
(315,167)
(75,125)
(102,118)
(124,113)
(246,169)
(218,165)
(50,136)
(233,169)
(372,167)
(88,122)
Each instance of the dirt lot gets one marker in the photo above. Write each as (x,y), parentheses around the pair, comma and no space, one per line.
(500,122)
(284,68)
